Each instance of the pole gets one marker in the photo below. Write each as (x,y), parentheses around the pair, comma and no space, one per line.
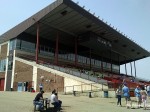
(37,43)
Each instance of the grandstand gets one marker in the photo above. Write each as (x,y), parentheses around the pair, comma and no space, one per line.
(66,47)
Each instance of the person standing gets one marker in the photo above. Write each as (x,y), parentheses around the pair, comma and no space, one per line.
(125,91)
(119,93)
(138,95)
(148,90)
(41,86)
(144,97)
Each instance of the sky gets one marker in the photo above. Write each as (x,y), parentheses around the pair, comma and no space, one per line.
(132,17)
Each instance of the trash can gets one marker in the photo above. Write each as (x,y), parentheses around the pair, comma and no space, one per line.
(105,94)
(90,95)
(11,89)
(74,93)
(31,89)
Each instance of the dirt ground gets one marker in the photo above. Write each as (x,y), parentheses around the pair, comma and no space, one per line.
(23,102)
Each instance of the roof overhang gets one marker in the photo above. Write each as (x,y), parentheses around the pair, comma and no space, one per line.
(70,21)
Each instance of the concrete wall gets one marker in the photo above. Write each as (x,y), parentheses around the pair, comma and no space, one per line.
(75,85)
(101,94)
(52,79)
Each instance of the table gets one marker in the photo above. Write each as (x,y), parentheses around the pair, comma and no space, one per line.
(46,102)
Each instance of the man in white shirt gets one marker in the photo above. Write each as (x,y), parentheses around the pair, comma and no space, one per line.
(54,101)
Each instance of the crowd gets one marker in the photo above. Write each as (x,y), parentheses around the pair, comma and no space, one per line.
(141,93)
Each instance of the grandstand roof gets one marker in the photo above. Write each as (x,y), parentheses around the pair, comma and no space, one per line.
(72,20)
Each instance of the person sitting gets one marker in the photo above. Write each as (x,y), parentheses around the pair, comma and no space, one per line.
(37,101)
(58,99)
(54,101)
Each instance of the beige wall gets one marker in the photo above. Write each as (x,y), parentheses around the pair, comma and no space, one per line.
(74,85)
(68,83)
(50,81)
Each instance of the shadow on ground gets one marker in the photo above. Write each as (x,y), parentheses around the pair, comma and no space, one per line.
(52,109)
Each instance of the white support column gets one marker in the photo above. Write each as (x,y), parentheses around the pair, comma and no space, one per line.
(34,79)
(6,67)
(13,69)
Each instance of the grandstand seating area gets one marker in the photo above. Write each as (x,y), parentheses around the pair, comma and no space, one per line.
(113,79)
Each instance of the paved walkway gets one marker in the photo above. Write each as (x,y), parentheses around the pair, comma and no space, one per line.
(22,102)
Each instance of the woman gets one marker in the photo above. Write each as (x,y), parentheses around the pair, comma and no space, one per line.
(119,93)
(144,97)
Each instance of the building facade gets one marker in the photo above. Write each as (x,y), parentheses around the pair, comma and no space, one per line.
(64,36)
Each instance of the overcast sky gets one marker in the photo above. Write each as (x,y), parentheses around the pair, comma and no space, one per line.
(132,17)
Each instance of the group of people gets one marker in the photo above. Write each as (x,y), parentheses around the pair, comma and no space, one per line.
(38,101)
(141,95)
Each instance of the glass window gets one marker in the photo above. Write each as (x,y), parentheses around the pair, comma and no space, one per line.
(10,64)
(108,66)
(0,49)
(88,60)
(115,67)
(104,64)
(92,61)
(2,65)
(12,44)
(18,43)
(27,45)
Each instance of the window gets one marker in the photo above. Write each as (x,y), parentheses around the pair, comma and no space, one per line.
(12,44)
(0,49)
(2,65)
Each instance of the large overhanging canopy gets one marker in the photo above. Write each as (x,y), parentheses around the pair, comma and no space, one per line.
(72,21)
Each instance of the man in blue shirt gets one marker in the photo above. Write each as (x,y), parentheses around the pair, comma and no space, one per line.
(125,91)
(138,95)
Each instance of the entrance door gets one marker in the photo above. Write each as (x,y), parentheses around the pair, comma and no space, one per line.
(20,86)
(25,86)
(2,81)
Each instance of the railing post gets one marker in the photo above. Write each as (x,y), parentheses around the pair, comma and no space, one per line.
(102,86)
(74,92)
(65,90)
(81,88)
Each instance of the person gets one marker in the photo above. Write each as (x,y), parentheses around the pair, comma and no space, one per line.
(145,87)
(41,86)
(148,90)
(54,91)
(38,98)
(125,91)
(58,99)
(138,95)
(119,93)
(144,97)
(54,101)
